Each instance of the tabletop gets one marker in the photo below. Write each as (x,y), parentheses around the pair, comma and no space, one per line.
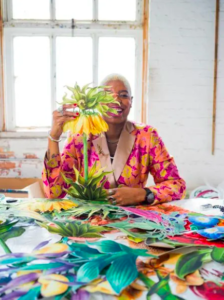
(34,235)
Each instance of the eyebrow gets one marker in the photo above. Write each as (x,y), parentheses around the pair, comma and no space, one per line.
(123,91)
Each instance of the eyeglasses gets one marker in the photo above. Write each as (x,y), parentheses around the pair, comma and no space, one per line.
(121,95)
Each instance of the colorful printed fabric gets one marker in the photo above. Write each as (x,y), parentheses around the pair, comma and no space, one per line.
(140,151)
(163,208)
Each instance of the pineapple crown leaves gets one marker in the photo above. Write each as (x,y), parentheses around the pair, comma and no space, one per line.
(74,229)
(92,189)
(87,98)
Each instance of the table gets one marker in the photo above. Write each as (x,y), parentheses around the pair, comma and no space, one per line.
(35,235)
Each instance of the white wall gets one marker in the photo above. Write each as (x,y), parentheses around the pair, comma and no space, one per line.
(180,98)
(180,94)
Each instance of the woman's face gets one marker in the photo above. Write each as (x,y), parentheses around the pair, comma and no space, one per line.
(121,95)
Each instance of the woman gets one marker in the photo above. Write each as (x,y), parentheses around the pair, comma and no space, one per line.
(130,150)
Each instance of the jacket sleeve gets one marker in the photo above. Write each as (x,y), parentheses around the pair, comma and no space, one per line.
(168,183)
(52,180)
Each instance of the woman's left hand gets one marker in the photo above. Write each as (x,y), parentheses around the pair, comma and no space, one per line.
(126,196)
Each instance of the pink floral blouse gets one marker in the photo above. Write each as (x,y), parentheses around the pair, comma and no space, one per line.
(140,151)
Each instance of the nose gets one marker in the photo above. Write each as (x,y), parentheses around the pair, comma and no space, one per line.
(115,95)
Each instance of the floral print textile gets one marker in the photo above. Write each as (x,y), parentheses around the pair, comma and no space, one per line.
(148,155)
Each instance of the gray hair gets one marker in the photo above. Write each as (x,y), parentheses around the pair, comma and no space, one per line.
(115,76)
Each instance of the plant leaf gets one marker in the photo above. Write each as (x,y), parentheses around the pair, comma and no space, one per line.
(32,294)
(91,270)
(105,246)
(122,272)
(217,254)
(158,286)
(189,263)
(13,232)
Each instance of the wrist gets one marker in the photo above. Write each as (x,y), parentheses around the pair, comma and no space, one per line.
(54,140)
(150,197)
(54,134)
(141,195)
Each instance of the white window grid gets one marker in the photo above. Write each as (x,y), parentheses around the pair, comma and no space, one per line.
(55,28)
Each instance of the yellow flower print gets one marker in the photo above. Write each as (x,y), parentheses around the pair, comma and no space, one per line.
(44,205)
(29,285)
(144,160)
(163,173)
(56,190)
(127,172)
(52,163)
(154,139)
(50,285)
(133,161)
(100,285)
(53,248)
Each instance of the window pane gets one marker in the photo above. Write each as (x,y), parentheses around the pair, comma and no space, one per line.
(31,9)
(74,62)
(32,81)
(74,9)
(117,55)
(117,10)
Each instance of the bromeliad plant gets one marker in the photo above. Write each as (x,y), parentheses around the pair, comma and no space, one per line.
(87,189)
(74,229)
(92,105)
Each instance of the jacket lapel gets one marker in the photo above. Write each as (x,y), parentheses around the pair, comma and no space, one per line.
(100,145)
(124,149)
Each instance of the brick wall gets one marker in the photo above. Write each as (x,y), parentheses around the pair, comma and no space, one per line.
(180,98)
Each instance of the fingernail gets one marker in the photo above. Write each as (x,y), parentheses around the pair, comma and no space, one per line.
(75,105)
(74,117)
(77,114)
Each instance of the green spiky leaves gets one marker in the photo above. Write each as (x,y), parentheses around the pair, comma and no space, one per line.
(94,99)
(74,229)
(91,189)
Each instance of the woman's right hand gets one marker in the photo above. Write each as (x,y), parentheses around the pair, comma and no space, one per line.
(59,118)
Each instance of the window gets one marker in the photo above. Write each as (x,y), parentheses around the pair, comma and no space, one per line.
(32,81)
(30,9)
(117,10)
(74,9)
(51,44)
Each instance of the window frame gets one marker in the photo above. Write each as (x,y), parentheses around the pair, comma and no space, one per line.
(53,29)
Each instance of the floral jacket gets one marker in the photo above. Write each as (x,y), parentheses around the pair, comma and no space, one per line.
(140,151)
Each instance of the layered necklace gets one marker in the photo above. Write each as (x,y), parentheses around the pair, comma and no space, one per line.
(114,142)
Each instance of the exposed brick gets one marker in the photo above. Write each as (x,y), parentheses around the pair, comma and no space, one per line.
(7,165)
(30,156)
